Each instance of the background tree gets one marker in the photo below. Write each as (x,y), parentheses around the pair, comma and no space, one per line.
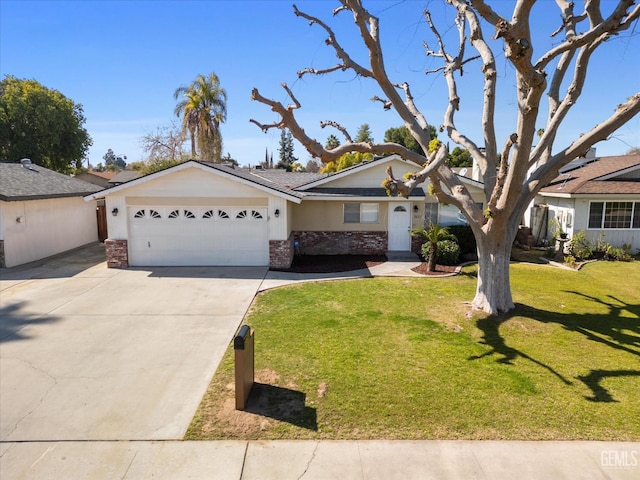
(345,161)
(511,175)
(364,134)
(286,151)
(203,107)
(460,157)
(332,142)
(165,142)
(229,160)
(402,136)
(41,124)
(312,166)
(113,161)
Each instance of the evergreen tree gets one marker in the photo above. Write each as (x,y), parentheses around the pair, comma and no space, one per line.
(286,151)
(364,134)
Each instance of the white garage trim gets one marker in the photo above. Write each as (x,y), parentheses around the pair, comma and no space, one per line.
(185,235)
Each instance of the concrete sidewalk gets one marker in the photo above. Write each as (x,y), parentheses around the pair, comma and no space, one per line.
(341,460)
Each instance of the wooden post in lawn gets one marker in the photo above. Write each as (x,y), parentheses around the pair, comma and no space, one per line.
(243,346)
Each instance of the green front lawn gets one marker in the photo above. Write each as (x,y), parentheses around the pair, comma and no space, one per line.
(402,358)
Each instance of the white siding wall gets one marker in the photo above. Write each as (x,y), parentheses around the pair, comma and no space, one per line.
(47,227)
(579,213)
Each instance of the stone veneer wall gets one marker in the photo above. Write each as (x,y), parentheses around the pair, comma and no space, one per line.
(117,253)
(416,244)
(342,243)
(281,253)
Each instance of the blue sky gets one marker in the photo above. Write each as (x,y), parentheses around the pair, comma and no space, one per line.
(122,60)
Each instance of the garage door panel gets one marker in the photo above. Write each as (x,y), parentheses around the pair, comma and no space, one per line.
(188,236)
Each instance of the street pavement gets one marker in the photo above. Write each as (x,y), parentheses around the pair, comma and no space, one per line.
(101,371)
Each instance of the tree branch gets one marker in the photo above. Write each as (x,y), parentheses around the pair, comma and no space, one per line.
(404,188)
(347,62)
(337,126)
(618,21)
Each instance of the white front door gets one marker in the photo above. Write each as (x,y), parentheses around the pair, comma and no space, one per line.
(399,227)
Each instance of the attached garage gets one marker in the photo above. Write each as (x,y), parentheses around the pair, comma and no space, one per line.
(198,214)
(191,236)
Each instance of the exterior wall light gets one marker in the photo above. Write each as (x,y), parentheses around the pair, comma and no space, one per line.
(415,208)
(277,212)
(114,212)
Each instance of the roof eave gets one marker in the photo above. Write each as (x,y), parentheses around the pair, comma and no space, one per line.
(189,164)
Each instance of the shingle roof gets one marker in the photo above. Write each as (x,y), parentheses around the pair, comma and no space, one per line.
(598,177)
(125,176)
(34,182)
(106,175)
(249,175)
(288,179)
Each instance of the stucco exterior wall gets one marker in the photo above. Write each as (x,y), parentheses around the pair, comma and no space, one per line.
(37,229)
(328,216)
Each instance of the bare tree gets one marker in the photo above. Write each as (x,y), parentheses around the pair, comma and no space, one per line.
(165,143)
(513,174)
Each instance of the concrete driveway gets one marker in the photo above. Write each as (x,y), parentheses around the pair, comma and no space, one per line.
(90,353)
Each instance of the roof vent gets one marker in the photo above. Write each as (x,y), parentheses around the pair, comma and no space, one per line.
(26,163)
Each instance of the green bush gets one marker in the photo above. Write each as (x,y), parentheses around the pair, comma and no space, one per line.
(580,247)
(448,252)
(619,254)
(465,237)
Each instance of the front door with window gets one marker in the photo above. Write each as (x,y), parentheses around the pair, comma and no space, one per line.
(400,227)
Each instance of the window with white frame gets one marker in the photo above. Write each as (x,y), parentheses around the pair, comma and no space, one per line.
(610,215)
(360,213)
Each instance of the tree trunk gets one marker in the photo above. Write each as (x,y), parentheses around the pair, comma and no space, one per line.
(431,261)
(493,289)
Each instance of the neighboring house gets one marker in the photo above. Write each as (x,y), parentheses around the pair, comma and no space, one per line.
(42,213)
(198,213)
(97,178)
(598,195)
(123,177)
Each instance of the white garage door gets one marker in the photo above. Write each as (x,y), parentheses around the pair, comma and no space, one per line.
(191,236)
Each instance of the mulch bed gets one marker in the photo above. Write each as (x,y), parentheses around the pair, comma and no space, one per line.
(440,270)
(346,263)
(333,263)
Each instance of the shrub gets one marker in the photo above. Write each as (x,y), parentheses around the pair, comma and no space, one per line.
(580,247)
(619,254)
(465,237)
(448,252)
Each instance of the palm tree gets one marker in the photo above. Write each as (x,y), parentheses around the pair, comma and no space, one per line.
(434,234)
(203,108)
